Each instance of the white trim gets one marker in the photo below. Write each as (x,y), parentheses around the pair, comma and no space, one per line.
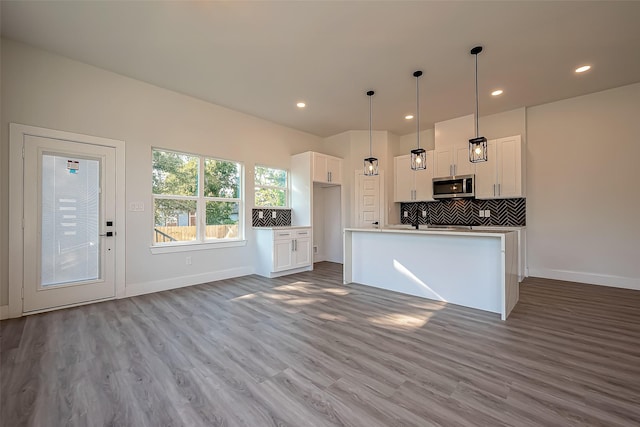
(17,133)
(142,288)
(4,312)
(186,247)
(590,278)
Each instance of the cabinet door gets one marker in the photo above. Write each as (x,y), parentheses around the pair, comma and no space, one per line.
(302,253)
(443,161)
(509,167)
(320,173)
(282,255)
(403,179)
(486,174)
(424,180)
(463,165)
(334,169)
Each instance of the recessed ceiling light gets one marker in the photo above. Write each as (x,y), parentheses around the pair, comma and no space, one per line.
(408,117)
(583,68)
(497,92)
(301,105)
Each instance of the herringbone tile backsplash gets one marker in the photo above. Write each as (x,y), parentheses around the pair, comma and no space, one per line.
(504,212)
(282,219)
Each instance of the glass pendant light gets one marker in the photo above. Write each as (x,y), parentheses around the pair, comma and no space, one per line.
(370,163)
(418,155)
(477,145)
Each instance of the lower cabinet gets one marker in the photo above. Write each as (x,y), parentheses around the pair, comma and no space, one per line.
(283,250)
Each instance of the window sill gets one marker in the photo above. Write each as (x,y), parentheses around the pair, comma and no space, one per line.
(186,247)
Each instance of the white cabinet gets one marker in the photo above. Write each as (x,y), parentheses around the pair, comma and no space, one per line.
(327,169)
(453,160)
(501,176)
(283,250)
(413,185)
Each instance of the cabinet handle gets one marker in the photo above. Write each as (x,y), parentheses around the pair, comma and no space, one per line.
(329,176)
(494,190)
(499,189)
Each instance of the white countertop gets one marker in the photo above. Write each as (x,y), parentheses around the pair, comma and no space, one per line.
(435,231)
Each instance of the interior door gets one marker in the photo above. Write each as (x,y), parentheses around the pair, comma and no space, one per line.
(368,203)
(69,230)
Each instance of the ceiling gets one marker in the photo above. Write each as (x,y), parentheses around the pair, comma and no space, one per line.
(261,58)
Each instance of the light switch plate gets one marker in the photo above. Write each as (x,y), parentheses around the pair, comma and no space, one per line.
(424,214)
(481,213)
(260,214)
(136,207)
(406,214)
(487,213)
(274,214)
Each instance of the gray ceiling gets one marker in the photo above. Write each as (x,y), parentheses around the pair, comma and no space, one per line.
(260,58)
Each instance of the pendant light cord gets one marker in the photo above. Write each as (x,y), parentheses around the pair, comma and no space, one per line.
(477,132)
(370,138)
(418,108)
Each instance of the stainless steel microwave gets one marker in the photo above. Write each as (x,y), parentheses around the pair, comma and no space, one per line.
(454,187)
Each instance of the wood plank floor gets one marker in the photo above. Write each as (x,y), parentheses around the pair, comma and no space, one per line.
(304,350)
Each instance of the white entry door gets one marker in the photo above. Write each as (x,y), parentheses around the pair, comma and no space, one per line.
(368,201)
(69,223)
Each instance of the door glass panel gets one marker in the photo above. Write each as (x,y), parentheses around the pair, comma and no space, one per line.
(70,220)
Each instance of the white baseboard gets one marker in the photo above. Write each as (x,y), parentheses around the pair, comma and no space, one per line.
(590,278)
(4,312)
(142,288)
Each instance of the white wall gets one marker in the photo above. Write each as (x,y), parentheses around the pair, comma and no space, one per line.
(583,200)
(47,90)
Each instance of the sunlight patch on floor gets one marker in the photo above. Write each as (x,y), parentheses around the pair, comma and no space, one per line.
(400,321)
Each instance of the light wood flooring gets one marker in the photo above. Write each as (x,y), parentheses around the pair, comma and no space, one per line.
(304,350)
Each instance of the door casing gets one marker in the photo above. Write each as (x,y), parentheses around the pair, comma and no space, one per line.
(17,133)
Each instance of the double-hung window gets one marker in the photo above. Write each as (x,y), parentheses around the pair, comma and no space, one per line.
(196,199)
(271,187)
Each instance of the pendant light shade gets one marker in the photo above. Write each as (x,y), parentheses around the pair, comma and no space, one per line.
(477,145)
(418,155)
(370,163)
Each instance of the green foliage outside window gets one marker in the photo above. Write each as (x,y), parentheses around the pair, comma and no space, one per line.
(177,174)
(270,187)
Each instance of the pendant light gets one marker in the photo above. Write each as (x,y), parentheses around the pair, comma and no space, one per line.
(419,155)
(370,163)
(477,145)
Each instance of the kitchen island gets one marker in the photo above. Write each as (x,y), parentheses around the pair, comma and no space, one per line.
(477,269)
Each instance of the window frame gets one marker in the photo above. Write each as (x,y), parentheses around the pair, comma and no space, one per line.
(286,188)
(201,241)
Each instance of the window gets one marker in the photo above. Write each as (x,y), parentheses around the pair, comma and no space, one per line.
(271,187)
(195,199)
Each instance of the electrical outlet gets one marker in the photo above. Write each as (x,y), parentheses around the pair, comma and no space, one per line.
(487,213)
(481,213)
(274,214)
(260,214)
(188,260)
(406,214)
(424,214)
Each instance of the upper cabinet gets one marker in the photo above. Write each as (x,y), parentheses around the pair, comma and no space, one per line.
(501,176)
(453,160)
(410,185)
(327,169)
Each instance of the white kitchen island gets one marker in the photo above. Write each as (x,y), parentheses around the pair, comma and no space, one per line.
(477,269)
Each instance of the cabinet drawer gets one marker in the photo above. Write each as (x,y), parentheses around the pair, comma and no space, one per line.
(283,234)
(303,233)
